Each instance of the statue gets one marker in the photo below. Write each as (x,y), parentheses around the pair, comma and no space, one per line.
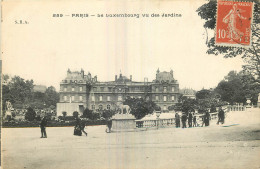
(123,107)
(9,108)
(123,120)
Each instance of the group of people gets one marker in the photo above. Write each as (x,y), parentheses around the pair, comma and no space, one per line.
(78,128)
(192,119)
(190,116)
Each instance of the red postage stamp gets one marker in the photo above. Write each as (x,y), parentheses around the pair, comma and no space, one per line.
(233,25)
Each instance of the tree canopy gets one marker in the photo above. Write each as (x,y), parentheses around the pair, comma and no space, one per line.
(20,93)
(140,107)
(235,87)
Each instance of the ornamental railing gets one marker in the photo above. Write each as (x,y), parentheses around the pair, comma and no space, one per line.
(154,123)
(236,108)
(161,123)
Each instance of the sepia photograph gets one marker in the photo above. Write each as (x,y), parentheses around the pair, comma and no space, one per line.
(152,84)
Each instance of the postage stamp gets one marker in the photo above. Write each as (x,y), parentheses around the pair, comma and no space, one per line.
(233,25)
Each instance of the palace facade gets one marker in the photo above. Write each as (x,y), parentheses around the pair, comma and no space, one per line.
(79,91)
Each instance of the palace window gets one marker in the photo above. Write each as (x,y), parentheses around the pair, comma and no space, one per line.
(65,89)
(164,107)
(109,89)
(93,107)
(80,89)
(172,98)
(108,107)
(100,98)
(172,89)
(165,98)
(119,98)
(94,89)
(139,97)
(93,98)
(156,89)
(72,98)
(73,89)
(108,98)
(156,98)
(100,107)
(102,89)
(65,98)
(80,98)
(164,89)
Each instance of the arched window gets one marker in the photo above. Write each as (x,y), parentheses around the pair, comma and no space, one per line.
(108,107)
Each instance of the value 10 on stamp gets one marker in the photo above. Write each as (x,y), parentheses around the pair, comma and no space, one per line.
(233,25)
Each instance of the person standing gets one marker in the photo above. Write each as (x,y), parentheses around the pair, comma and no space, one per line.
(43,127)
(190,119)
(177,120)
(221,116)
(109,125)
(194,121)
(207,118)
(184,120)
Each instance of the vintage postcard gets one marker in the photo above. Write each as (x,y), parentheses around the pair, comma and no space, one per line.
(110,84)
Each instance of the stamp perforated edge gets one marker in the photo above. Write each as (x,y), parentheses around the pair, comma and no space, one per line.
(235,45)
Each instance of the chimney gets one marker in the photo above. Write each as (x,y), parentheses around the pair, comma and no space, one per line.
(115,77)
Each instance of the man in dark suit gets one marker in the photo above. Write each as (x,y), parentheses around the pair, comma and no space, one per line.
(184,120)
(190,119)
(43,127)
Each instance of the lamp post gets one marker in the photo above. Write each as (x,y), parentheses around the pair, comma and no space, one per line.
(248,101)
(157,115)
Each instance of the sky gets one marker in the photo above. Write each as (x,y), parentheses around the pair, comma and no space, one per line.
(44,49)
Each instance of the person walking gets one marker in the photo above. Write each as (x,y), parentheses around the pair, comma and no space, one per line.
(177,120)
(190,119)
(83,124)
(43,125)
(77,128)
(221,116)
(184,120)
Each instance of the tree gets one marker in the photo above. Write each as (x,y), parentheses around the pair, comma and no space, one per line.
(108,114)
(30,114)
(140,107)
(203,94)
(18,91)
(237,86)
(208,99)
(90,114)
(186,105)
(51,96)
(75,114)
(250,55)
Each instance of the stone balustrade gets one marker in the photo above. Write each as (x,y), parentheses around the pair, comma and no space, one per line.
(236,108)
(153,123)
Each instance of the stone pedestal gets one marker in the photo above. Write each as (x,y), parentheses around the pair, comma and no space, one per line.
(123,122)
